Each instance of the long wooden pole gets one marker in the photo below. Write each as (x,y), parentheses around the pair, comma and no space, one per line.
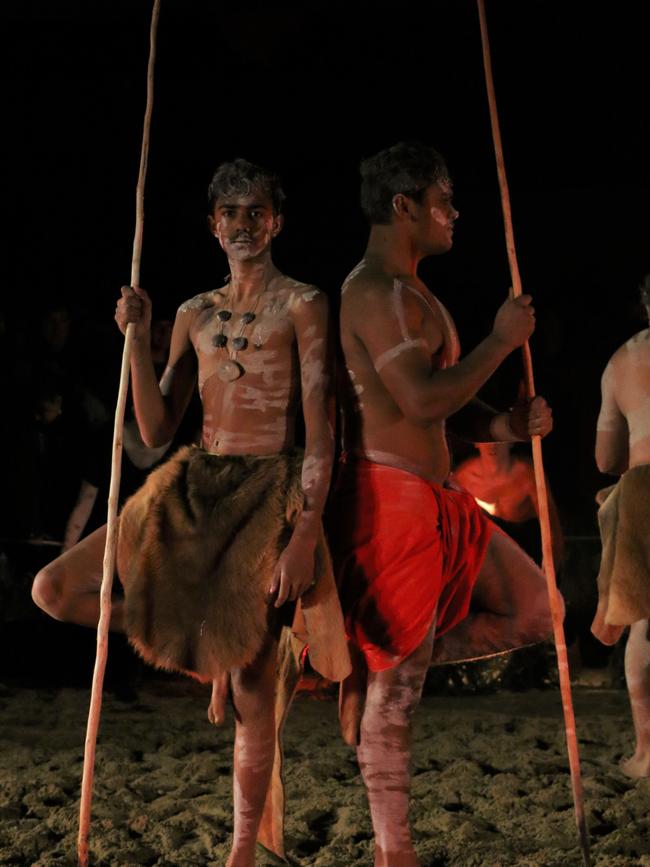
(116,466)
(538,461)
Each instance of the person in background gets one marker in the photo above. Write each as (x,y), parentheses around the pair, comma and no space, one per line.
(623,449)
(502,481)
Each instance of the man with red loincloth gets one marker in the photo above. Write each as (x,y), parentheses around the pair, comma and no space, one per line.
(414,557)
(221,541)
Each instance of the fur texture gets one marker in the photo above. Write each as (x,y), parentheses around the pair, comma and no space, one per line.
(624,577)
(198,546)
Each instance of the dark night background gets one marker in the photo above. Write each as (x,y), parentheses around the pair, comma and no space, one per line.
(309,89)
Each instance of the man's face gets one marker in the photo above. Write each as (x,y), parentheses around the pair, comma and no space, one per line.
(435,218)
(245,225)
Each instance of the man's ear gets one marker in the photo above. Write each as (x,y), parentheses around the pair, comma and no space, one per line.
(212,225)
(278,223)
(402,206)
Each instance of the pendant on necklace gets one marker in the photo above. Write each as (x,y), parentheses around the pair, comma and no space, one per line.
(229,370)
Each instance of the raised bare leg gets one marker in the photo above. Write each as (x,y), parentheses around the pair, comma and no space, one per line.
(637,675)
(68,588)
(509,608)
(384,754)
(253,690)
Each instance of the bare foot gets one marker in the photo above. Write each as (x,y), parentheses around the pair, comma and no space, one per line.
(638,766)
(217,706)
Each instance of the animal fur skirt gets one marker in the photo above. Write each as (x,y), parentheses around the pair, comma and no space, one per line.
(198,547)
(624,577)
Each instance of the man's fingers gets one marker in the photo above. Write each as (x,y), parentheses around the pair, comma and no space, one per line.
(282,592)
(141,293)
(134,292)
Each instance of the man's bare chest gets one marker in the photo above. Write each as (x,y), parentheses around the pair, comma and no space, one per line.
(259,353)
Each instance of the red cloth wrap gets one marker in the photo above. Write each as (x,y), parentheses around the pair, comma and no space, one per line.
(405,551)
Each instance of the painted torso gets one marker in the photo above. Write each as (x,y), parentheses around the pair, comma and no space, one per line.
(626,396)
(374,425)
(254,413)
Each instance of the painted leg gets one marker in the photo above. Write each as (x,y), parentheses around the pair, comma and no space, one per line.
(384,754)
(271,830)
(68,588)
(253,690)
(509,609)
(637,675)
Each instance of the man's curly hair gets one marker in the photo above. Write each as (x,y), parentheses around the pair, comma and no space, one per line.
(241,177)
(408,168)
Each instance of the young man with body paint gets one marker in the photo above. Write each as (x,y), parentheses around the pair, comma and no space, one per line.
(623,448)
(413,556)
(259,348)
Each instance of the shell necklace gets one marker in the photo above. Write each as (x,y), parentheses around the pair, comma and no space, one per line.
(230,369)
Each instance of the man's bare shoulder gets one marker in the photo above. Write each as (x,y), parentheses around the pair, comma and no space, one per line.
(200,302)
(522,468)
(301,302)
(365,285)
(640,342)
(299,292)
(625,354)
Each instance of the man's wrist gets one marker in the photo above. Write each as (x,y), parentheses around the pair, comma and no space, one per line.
(142,344)
(306,530)
(499,345)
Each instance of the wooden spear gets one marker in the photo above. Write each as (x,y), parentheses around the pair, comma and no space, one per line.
(116,466)
(538,461)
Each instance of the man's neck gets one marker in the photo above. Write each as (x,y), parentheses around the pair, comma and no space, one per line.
(393,251)
(496,463)
(249,278)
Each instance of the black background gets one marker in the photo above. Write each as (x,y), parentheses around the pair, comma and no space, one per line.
(309,89)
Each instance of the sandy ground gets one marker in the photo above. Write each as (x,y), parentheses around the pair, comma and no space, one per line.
(491,784)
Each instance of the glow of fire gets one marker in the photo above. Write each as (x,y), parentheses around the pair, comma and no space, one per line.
(490,508)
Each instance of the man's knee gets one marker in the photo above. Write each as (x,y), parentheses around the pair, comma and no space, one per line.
(253,692)
(392,703)
(538,616)
(47,592)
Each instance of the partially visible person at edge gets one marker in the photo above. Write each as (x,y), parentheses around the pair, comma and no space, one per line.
(233,530)
(415,558)
(623,449)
